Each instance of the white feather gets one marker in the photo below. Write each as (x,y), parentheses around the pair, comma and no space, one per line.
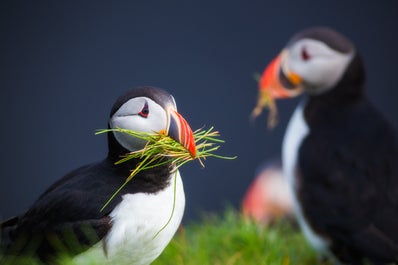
(127,117)
(296,131)
(325,68)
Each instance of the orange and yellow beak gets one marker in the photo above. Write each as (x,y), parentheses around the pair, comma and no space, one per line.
(180,131)
(276,82)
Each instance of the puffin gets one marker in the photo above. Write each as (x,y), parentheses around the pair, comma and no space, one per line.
(268,197)
(339,153)
(138,223)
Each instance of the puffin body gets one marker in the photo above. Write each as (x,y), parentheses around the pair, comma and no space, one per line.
(340,155)
(67,217)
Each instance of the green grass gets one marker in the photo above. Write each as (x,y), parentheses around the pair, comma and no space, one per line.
(229,239)
(160,149)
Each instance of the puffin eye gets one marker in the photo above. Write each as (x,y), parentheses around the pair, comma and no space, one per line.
(145,111)
(305,55)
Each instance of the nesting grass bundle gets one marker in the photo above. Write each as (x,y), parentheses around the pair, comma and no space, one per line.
(160,149)
(265,100)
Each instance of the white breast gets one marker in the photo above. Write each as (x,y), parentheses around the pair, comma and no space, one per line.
(134,237)
(296,131)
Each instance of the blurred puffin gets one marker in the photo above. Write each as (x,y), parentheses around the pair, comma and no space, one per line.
(268,197)
(340,155)
(68,216)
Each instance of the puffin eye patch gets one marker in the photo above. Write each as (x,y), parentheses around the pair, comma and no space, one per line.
(145,111)
(305,55)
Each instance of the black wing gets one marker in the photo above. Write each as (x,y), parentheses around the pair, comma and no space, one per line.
(67,217)
(348,186)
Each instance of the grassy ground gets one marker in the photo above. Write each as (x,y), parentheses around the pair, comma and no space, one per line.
(229,239)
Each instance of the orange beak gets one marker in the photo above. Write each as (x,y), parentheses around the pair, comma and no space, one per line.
(272,78)
(180,131)
(269,80)
(274,83)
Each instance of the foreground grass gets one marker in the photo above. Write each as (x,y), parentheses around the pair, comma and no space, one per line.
(228,240)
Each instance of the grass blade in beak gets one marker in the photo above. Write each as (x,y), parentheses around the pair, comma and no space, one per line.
(161,149)
(265,100)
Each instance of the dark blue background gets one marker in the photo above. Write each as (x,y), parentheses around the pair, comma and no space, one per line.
(63,64)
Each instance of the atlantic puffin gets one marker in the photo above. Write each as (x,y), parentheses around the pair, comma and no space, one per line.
(340,155)
(268,197)
(67,217)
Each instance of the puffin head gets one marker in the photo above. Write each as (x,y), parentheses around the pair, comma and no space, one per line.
(147,109)
(315,60)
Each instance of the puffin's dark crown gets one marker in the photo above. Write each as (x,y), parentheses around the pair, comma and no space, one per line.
(330,37)
(160,96)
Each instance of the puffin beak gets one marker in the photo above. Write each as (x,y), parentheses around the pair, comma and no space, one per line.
(180,131)
(278,81)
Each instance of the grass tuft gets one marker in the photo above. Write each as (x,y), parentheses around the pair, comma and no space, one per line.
(160,149)
(266,100)
(231,239)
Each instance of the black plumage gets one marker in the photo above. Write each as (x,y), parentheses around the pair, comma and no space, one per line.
(348,174)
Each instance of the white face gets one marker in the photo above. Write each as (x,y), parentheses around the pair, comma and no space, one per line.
(138,114)
(319,66)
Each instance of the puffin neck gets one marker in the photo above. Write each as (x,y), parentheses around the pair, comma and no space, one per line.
(154,179)
(115,150)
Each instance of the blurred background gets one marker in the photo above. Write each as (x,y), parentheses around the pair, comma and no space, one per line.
(63,64)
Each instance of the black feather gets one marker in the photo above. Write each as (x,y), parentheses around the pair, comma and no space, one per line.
(348,173)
